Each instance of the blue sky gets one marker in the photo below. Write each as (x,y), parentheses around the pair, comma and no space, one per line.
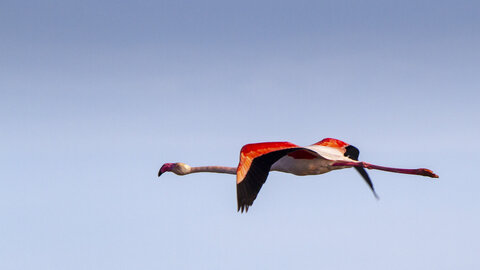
(95,97)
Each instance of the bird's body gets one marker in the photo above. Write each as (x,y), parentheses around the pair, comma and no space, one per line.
(302,167)
(317,159)
(258,159)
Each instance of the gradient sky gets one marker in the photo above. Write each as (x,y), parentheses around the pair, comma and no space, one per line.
(96,95)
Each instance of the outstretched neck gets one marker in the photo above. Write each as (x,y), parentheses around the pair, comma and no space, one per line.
(183,169)
(214,169)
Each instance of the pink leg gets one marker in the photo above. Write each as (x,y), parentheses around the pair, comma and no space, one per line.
(421,171)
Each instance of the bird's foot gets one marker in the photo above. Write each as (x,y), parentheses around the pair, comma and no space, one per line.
(427,172)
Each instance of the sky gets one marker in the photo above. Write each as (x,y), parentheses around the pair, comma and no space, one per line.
(96,95)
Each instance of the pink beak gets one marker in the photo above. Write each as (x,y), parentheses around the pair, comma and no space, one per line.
(166,168)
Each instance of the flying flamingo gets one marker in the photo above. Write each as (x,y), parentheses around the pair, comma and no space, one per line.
(258,159)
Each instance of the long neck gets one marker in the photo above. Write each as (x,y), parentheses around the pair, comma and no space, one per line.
(214,169)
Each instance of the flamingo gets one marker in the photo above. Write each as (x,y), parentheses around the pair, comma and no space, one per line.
(258,159)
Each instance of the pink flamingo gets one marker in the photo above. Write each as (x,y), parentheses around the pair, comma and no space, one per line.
(258,159)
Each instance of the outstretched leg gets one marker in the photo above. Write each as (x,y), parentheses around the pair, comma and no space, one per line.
(421,171)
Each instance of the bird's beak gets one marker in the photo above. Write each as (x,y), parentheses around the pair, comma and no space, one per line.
(166,168)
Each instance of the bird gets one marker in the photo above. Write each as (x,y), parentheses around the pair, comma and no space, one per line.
(258,159)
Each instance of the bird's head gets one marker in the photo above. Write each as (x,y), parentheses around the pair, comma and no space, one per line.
(177,168)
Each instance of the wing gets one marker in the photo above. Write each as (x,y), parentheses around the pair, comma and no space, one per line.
(255,163)
(334,150)
(353,153)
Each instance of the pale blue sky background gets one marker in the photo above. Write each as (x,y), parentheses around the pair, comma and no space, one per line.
(96,96)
